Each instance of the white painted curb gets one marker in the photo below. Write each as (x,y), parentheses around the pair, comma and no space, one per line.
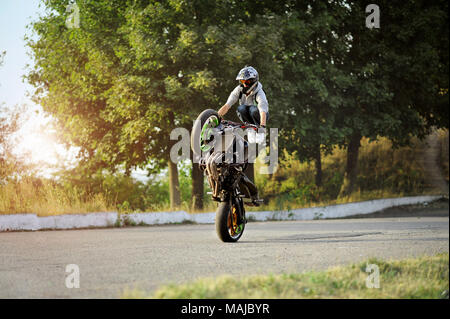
(33,222)
(156,218)
(342,210)
(73,221)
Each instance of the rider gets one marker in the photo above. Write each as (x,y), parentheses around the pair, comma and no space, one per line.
(247,93)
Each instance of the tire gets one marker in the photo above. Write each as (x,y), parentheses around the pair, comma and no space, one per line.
(224,223)
(198,130)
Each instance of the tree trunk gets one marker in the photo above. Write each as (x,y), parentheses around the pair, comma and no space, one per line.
(351,169)
(197,187)
(174,186)
(318,166)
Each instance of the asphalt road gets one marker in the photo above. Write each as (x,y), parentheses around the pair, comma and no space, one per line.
(33,264)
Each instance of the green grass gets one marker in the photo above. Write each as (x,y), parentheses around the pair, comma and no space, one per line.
(423,278)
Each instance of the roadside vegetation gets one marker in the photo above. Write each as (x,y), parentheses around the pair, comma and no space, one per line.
(416,278)
(444,153)
(384,172)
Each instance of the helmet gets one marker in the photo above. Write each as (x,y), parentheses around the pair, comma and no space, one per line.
(248,73)
(248,77)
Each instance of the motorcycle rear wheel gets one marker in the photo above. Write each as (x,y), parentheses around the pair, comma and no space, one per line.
(227,226)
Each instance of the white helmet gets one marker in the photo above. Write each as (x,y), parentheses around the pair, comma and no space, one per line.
(247,73)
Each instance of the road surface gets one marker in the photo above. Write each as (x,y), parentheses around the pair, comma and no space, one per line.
(33,264)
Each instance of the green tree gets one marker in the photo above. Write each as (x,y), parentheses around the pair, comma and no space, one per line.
(134,70)
(399,76)
(343,80)
(103,102)
(311,96)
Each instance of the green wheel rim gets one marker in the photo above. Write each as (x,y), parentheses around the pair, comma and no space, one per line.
(206,132)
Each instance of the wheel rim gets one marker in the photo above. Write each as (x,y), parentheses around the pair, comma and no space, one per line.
(234,229)
(206,132)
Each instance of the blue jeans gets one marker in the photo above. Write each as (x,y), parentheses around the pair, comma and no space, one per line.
(250,114)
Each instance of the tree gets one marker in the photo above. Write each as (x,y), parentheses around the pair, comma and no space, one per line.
(11,164)
(311,95)
(96,88)
(134,70)
(343,80)
(399,76)
(198,48)
(9,124)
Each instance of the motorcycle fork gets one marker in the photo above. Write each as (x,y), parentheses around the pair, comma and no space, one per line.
(240,207)
(239,200)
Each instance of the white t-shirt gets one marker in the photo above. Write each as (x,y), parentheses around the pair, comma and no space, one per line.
(256,96)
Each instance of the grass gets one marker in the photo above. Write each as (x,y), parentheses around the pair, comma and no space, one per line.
(46,199)
(425,277)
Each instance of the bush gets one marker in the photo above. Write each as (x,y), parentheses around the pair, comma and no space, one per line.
(382,171)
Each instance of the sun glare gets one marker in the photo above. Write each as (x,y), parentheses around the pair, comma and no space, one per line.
(40,148)
(37,144)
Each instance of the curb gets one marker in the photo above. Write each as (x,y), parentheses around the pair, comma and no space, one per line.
(69,221)
(18,222)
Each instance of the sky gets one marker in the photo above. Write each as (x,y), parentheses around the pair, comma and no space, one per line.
(14,16)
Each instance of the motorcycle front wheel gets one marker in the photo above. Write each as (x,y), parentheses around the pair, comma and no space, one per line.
(201,133)
(228,227)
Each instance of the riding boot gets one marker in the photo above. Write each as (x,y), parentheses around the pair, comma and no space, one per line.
(253,191)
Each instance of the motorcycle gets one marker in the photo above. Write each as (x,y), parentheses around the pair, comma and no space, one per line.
(223,155)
